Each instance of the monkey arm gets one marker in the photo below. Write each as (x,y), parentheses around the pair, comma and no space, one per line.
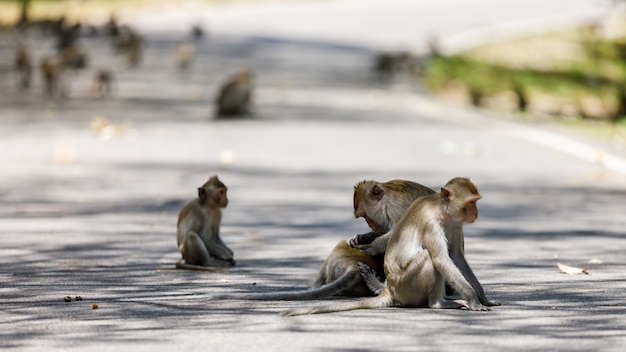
(379,245)
(216,250)
(461,263)
(452,274)
(219,241)
(365,238)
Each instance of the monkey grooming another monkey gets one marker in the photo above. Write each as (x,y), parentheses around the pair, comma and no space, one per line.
(405,192)
(417,260)
(235,95)
(198,233)
(382,205)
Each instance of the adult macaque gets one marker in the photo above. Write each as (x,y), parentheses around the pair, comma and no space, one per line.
(418,262)
(23,67)
(381,205)
(198,234)
(102,84)
(235,95)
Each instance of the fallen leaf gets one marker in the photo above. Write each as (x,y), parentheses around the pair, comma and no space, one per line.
(571,270)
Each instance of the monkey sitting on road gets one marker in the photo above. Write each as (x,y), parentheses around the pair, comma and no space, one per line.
(235,95)
(198,234)
(418,261)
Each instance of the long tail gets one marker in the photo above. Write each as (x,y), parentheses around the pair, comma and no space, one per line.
(323,291)
(381,301)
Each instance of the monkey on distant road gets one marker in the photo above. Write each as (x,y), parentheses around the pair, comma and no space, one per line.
(235,96)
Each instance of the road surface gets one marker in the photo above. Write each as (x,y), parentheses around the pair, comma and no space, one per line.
(91,212)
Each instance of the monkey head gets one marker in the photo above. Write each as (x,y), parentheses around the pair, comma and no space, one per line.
(459,197)
(367,205)
(213,192)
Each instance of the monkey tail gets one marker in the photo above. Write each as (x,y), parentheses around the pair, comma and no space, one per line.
(381,301)
(182,265)
(323,291)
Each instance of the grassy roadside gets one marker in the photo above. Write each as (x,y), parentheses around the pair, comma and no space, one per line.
(576,78)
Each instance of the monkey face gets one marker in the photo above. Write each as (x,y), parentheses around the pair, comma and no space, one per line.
(220,197)
(374,226)
(470,210)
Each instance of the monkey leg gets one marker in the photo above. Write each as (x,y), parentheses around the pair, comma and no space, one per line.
(193,250)
(372,279)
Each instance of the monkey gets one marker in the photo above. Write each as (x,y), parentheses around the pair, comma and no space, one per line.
(406,193)
(198,229)
(235,95)
(135,49)
(51,70)
(23,67)
(417,259)
(72,57)
(127,41)
(381,205)
(197,32)
(102,83)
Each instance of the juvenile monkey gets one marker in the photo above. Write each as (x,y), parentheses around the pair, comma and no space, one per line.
(417,258)
(198,234)
(381,205)
(235,95)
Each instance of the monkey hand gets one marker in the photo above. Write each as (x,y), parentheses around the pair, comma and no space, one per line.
(231,261)
(354,241)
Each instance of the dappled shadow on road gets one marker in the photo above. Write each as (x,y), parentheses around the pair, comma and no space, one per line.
(119,252)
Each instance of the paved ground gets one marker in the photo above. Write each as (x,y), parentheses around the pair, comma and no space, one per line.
(93,213)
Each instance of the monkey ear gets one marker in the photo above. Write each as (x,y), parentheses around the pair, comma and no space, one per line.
(202,193)
(445,195)
(377,192)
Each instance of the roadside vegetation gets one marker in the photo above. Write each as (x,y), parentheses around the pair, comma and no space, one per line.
(576,76)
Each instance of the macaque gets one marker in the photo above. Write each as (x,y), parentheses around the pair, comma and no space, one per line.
(72,57)
(102,84)
(23,67)
(381,205)
(235,95)
(51,75)
(128,41)
(418,261)
(198,234)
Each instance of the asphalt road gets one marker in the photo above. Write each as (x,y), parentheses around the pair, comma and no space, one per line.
(92,212)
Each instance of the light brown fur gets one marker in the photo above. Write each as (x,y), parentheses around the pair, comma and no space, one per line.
(417,260)
(198,229)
